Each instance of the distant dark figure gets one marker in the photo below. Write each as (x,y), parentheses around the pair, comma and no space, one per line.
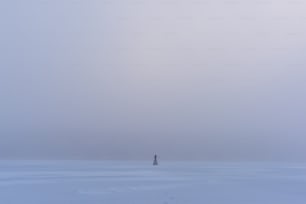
(155,163)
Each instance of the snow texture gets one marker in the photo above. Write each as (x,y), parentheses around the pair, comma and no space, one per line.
(76,182)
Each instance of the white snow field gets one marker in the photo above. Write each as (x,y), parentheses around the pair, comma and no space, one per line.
(76,182)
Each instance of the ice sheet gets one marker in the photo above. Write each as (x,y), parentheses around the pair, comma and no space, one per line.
(93,182)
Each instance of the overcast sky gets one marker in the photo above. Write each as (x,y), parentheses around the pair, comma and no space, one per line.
(125,79)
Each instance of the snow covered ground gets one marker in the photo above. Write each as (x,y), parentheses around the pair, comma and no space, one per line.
(76,182)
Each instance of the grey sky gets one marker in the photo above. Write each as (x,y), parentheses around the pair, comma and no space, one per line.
(212,80)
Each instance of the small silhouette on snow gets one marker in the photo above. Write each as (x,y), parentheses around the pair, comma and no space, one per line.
(155,163)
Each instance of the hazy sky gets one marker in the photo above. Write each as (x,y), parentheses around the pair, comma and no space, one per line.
(124,79)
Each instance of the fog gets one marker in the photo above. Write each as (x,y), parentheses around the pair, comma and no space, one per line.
(123,80)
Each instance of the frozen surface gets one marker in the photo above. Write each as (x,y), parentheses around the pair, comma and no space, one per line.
(75,182)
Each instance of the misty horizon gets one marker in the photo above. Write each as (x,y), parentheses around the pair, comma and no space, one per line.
(124,80)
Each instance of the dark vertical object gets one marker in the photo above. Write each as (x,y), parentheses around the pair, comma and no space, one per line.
(155,163)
